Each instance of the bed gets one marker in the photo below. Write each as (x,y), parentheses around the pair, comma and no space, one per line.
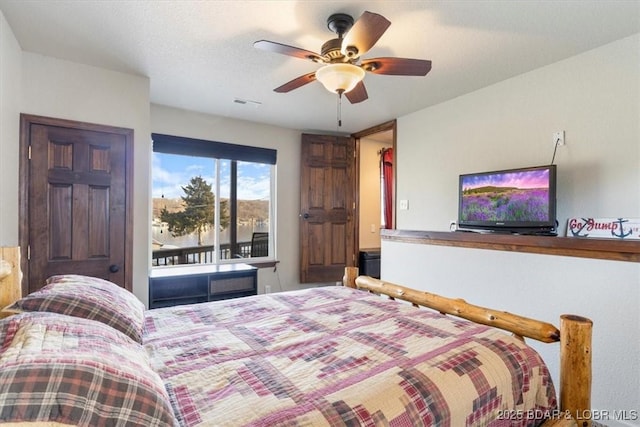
(82,351)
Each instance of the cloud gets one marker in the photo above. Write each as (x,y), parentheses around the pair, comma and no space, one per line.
(165,182)
(254,181)
(171,172)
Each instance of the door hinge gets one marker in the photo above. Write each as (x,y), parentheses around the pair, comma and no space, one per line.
(28,252)
(29,153)
(354,206)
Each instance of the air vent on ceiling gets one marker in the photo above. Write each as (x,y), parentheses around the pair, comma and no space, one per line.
(247,102)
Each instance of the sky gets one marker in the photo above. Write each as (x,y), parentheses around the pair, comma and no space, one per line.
(527,179)
(171,172)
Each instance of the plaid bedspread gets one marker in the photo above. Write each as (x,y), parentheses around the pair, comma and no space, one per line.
(338,356)
(73,371)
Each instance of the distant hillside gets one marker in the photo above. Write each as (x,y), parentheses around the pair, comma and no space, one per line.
(253,209)
(247,209)
(172,205)
(489,189)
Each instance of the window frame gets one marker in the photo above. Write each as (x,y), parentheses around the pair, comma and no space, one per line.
(219,152)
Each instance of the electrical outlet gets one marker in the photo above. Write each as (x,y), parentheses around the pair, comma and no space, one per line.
(267,289)
(404,205)
(558,138)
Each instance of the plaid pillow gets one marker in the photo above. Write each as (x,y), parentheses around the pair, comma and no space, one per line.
(76,371)
(89,298)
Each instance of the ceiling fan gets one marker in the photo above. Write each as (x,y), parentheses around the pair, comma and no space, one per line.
(343,68)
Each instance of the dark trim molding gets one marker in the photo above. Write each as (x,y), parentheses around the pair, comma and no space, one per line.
(607,249)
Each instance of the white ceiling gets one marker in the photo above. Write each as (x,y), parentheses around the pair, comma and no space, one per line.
(199,55)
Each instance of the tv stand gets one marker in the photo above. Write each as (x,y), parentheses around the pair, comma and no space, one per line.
(524,232)
(539,233)
(508,232)
(473,230)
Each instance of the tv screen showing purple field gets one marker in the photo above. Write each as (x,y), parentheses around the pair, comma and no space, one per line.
(508,196)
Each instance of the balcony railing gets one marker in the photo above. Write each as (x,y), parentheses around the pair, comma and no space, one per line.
(198,254)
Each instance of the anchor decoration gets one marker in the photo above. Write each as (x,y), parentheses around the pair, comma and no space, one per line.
(621,234)
(616,228)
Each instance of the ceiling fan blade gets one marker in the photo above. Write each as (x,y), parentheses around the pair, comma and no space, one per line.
(296,83)
(357,94)
(284,49)
(364,33)
(397,66)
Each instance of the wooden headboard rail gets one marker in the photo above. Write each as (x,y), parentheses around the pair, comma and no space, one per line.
(574,336)
(10,276)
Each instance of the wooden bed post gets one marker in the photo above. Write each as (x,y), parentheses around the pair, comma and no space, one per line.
(349,279)
(10,276)
(575,367)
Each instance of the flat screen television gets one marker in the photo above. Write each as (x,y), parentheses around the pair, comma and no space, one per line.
(521,201)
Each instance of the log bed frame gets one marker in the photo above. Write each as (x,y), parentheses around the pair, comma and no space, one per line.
(574,334)
(574,337)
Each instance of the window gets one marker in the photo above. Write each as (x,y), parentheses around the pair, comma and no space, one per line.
(212,201)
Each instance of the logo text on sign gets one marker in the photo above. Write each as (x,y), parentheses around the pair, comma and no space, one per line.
(612,228)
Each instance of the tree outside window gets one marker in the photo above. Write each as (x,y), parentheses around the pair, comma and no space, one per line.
(198,215)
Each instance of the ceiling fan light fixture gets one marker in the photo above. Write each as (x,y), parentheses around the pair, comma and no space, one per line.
(339,78)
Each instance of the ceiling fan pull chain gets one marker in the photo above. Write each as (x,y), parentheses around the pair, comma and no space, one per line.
(339,108)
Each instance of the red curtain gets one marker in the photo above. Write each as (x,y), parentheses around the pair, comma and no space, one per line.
(386,164)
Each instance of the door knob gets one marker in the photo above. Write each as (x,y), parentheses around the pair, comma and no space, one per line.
(305,215)
(114,268)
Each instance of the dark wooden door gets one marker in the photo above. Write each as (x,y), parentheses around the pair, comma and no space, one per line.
(327,196)
(76,206)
